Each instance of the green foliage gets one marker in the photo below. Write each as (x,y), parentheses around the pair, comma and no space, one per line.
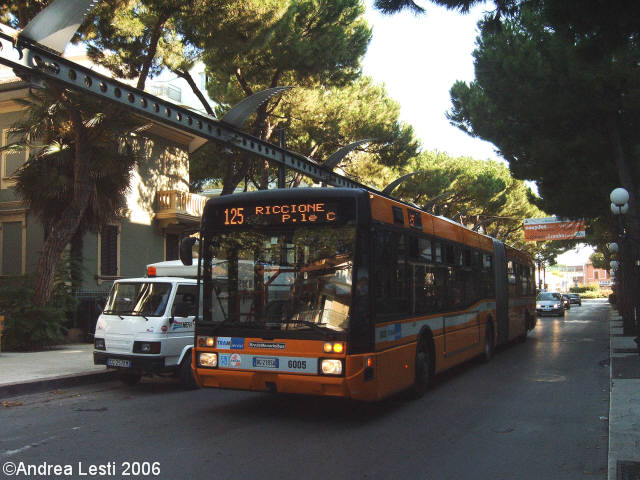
(592,287)
(260,44)
(30,327)
(47,180)
(481,195)
(320,121)
(592,290)
(533,75)
(18,14)
(600,260)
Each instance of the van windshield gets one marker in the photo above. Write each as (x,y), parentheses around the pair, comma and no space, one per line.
(147,299)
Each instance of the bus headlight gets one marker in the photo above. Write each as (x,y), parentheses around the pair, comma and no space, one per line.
(207,360)
(331,366)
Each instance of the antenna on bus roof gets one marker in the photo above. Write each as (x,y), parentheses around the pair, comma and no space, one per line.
(338,155)
(391,187)
(55,26)
(240,112)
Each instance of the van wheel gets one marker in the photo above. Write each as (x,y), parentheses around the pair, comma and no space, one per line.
(130,378)
(487,354)
(423,367)
(186,374)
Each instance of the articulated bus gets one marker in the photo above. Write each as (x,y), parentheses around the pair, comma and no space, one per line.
(343,292)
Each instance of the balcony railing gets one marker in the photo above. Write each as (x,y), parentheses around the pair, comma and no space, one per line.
(173,206)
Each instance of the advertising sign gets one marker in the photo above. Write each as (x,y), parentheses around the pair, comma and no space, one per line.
(553,228)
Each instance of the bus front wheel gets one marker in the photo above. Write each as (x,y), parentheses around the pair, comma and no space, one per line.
(186,374)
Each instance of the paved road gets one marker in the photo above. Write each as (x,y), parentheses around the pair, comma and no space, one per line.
(536,411)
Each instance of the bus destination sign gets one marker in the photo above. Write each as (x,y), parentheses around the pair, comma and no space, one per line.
(284,213)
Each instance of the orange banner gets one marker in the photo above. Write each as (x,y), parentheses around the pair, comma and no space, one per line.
(543,229)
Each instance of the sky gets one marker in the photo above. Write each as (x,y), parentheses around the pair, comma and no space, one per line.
(419,58)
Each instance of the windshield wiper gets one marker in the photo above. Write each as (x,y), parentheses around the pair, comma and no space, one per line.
(131,313)
(316,326)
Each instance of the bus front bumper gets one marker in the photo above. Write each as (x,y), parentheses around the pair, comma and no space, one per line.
(354,387)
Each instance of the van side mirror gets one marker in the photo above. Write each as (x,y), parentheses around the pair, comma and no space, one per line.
(186,250)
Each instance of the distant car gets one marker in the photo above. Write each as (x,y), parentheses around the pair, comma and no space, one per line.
(575,298)
(566,301)
(549,303)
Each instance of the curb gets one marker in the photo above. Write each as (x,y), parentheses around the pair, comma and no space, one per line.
(52,383)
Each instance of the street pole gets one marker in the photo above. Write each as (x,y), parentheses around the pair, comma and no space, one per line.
(281,168)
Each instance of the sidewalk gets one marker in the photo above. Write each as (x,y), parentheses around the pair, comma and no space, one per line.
(63,366)
(69,365)
(624,404)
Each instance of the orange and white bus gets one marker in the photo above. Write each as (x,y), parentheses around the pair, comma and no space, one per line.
(344,292)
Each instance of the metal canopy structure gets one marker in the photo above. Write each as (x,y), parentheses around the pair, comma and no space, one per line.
(34,61)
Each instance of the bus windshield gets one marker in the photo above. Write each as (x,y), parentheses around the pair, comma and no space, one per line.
(282,279)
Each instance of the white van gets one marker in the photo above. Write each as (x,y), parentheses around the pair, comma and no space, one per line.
(147,325)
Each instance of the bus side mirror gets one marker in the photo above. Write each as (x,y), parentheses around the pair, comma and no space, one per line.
(186,250)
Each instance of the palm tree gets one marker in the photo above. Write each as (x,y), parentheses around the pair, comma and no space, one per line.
(78,171)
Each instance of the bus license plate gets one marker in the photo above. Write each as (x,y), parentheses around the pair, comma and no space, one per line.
(261,362)
(117,362)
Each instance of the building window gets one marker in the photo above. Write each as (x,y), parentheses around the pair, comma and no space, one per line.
(109,250)
(11,161)
(12,245)
(174,93)
(204,78)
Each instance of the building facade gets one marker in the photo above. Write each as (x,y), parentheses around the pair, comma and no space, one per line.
(159,206)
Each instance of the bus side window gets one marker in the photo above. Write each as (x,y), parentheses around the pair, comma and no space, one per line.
(391,294)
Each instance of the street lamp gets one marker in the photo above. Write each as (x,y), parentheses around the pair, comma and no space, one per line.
(619,196)
(613,247)
(619,209)
(625,281)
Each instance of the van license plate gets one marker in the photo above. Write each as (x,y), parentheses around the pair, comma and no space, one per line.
(261,362)
(118,362)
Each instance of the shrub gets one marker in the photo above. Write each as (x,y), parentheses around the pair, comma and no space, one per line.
(26,326)
(593,288)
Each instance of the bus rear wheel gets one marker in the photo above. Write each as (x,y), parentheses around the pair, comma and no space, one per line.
(423,369)
(527,324)
(488,344)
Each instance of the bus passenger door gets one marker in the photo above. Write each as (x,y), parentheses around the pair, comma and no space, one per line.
(502,294)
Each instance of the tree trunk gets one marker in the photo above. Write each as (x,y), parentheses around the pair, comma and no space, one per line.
(235,172)
(153,48)
(63,230)
(77,245)
(196,91)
